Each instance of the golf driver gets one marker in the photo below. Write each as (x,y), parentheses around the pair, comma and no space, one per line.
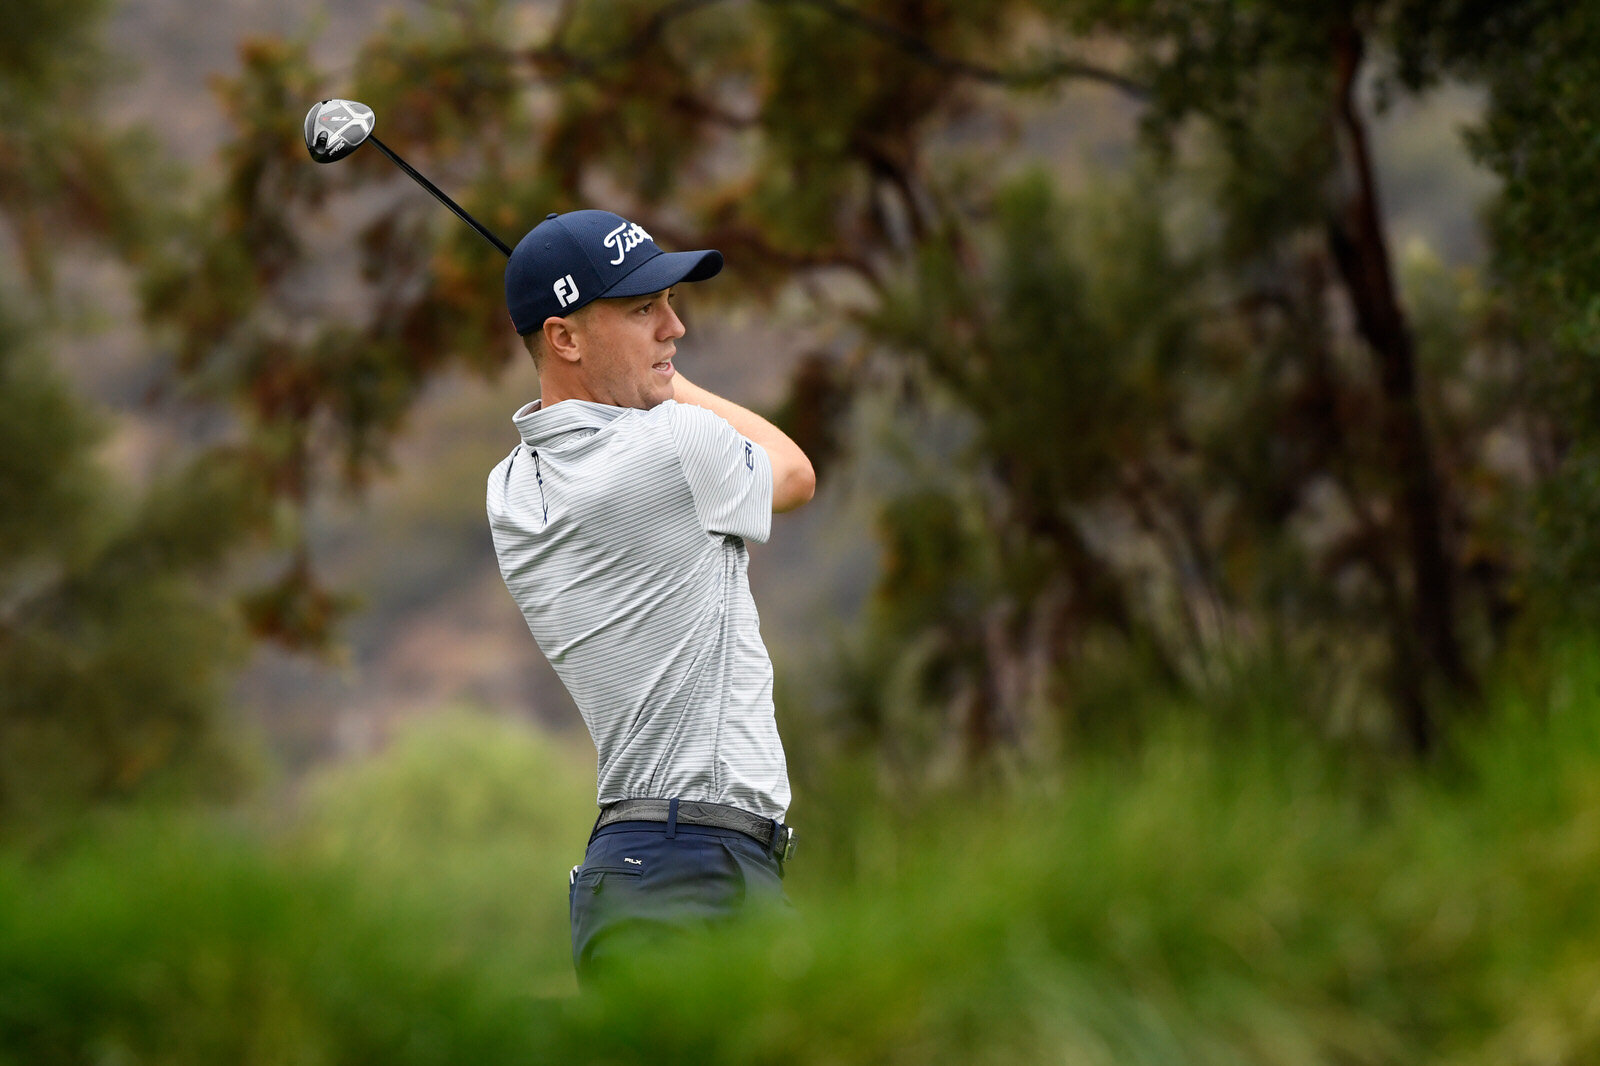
(335,128)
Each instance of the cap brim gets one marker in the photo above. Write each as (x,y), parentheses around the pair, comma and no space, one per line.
(666,270)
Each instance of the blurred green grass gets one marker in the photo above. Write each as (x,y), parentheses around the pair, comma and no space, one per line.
(1211,898)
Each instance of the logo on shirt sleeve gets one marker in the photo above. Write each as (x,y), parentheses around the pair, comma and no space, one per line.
(749,456)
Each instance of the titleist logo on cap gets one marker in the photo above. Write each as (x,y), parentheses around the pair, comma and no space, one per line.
(568,261)
(624,239)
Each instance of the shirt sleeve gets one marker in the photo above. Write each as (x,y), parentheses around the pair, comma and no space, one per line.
(729,476)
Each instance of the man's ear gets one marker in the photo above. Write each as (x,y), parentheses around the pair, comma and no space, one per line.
(560,339)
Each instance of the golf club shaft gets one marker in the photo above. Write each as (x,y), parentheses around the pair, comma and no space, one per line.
(442,198)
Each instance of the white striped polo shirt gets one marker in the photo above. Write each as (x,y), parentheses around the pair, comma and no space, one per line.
(621,535)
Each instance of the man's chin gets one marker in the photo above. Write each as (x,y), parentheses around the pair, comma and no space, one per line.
(652,398)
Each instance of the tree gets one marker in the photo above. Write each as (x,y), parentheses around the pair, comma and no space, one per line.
(112,648)
(113,643)
(1174,439)
(1539,63)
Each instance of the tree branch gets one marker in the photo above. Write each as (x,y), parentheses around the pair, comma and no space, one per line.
(1056,69)
(1358,247)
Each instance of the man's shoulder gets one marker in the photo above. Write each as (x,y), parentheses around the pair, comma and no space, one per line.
(691,425)
(688,432)
(668,416)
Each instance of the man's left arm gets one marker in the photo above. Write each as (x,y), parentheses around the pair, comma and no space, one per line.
(793,480)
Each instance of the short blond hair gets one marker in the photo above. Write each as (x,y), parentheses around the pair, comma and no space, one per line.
(534,342)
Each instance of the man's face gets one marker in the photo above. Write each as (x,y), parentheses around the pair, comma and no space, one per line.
(627,347)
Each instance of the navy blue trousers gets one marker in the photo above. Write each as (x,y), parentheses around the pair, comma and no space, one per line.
(640,891)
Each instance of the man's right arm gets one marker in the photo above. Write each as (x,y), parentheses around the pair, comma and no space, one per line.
(793,480)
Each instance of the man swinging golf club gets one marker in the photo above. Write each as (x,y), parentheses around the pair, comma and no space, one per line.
(620,521)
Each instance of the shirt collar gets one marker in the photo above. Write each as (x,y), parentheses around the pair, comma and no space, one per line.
(540,425)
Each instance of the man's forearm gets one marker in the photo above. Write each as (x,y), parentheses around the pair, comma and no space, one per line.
(793,480)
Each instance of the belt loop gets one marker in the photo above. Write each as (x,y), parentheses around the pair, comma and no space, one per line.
(776,847)
(672,818)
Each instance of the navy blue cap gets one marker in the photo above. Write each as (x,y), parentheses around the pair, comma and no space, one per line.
(568,260)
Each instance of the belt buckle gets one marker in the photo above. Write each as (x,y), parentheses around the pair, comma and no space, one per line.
(788,844)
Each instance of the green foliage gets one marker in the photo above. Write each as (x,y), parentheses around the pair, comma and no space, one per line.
(322,335)
(1173,439)
(1042,344)
(259,960)
(456,792)
(47,475)
(1540,136)
(1213,898)
(113,641)
(63,175)
(465,820)
(1062,350)
(41,43)
(1205,427)
(111,649)
(394,921)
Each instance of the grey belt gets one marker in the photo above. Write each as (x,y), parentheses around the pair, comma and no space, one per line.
(777,838)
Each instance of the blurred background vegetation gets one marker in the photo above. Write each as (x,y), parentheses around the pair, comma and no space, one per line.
(1187,657)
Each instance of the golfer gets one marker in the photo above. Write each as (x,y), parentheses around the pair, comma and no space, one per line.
(620,521)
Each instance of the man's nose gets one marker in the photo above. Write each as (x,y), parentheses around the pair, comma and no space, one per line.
(672,325)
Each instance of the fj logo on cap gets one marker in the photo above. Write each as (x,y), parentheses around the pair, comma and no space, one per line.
(566,290)
(624,239)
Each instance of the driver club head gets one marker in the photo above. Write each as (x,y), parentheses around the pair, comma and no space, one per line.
(335,128)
